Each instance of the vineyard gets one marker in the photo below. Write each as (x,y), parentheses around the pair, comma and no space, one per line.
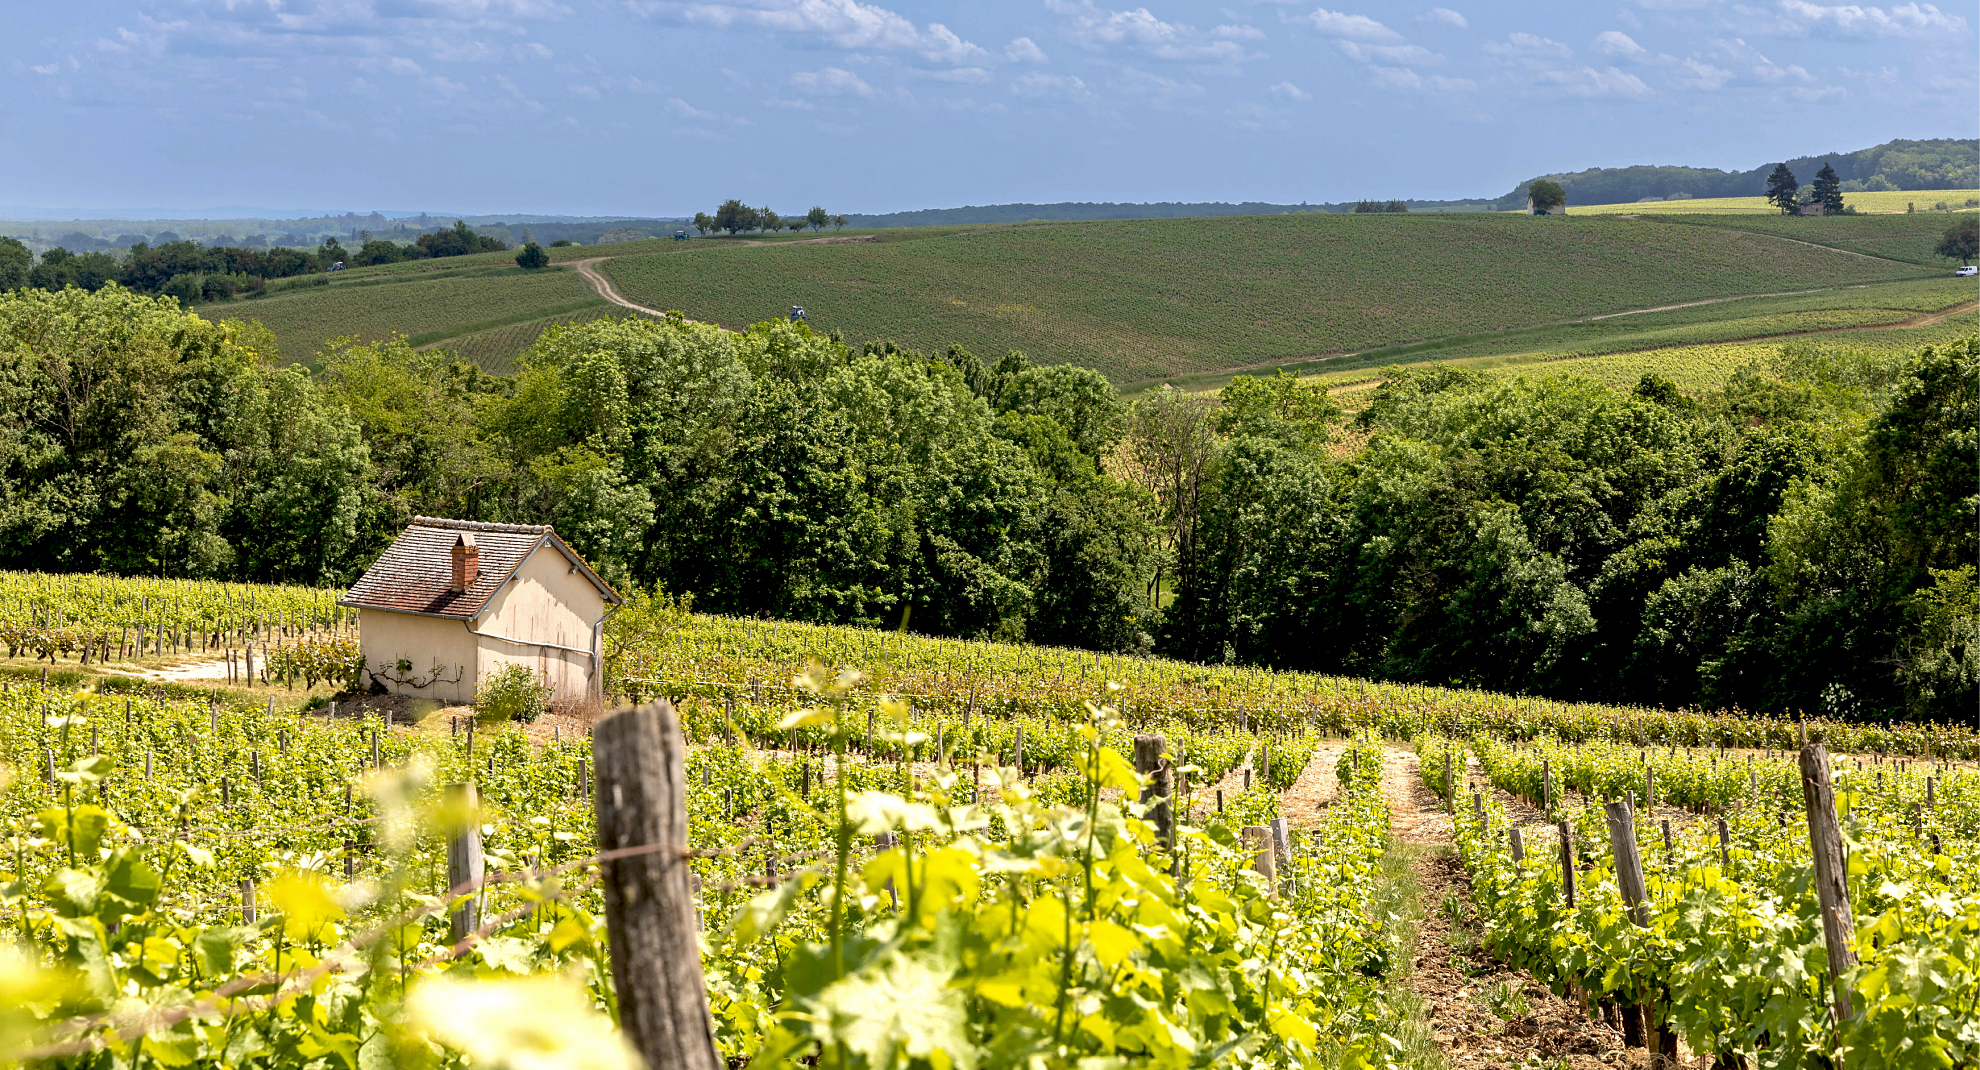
(904,851)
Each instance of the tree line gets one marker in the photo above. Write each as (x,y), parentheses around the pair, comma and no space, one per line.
(735,217)
(192,273)
(1802,538)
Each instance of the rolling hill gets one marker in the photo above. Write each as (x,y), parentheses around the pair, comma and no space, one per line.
(1148,300)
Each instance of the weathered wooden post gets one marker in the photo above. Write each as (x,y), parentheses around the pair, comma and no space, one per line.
(1258,839)
(1518,843)
(1725,845)
(1831,877)
(465,865)
(1567,862)
(649,902)
(1450,794)
(1157,792)
(1638,1019)
(247,901)
(1546,785)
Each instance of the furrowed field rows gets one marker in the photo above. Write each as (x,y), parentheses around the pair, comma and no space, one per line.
(1907,238)
(496,349)
(426,310)
(1695,369)
(1147,299)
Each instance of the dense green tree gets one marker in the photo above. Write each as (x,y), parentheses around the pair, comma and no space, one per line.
(531,257)
(1546,195)
(1827,190)
(1961,241)
(15,263)
(734,216)
(1782,188)
(703,222)
(817,218)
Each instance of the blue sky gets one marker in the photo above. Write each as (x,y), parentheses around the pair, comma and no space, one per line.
(661,107)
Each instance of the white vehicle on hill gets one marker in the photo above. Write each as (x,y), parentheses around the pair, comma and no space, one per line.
(1969,269)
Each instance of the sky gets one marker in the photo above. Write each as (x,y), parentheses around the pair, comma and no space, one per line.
(664,108)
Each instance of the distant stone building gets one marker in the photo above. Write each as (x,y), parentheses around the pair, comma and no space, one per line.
(1559,209)
(1811,208)
(451,602)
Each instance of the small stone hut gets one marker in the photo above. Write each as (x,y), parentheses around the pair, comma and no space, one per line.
(453,601)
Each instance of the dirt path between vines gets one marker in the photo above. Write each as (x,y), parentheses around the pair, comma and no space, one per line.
(1481,1014)
(604,288)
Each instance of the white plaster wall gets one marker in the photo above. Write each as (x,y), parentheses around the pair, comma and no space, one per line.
(546,602)
(387,637)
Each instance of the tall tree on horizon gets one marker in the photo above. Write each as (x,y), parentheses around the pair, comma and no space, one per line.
(1781,188)
(1828,190)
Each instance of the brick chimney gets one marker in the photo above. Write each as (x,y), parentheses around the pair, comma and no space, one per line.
(467,563)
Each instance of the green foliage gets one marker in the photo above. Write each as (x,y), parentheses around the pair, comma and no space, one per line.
(1546,194)
(1150,299)
(532,257)
(15,263)
(1961,241)
(1782,189)
(512,693)
(1828,190)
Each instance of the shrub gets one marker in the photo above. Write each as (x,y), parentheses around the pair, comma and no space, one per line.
(532,257)
(513,694)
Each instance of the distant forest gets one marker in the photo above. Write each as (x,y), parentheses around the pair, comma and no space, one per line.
(1944,163)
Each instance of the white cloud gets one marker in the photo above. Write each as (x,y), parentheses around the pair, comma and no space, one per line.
(1142,83)
(1617,43)
(1402,78)
(587,92)
(1628,18)
(1736,51)
(1853,20)
(1607,82)
(1238,33)
(1063,86)
(1697,74)
(687,111)
(1416,54)
(1024,50)
(1289,91)
(1448,17)
(1357,27)
(844,23)
(1527,44)
(832,81)
(1099,28)
(970,75)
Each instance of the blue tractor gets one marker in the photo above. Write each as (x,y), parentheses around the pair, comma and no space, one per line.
(797,314)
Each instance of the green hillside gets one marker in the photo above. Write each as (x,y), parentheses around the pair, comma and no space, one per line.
(1143,300)
(1146,300)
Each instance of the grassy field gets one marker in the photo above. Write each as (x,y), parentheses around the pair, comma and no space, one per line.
(1695,369)
(1148,299)
(1188,300)
(1898,201)
(427,307)
(1906,238)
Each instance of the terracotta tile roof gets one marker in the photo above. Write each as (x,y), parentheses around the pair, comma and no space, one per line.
(413,574)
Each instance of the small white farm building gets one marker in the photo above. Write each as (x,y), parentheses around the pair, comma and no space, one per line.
(454,601)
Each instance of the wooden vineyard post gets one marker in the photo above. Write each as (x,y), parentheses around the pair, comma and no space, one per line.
(1518,843)
(1725,845)
(1450,796)
(1629,881)
(1546,785)
(1831,878)
(1567,862)
(1157,793)
(464,861)
(649,901)
(1258,839)
(247,902)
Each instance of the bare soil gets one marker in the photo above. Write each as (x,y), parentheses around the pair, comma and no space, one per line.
(1481,1013)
